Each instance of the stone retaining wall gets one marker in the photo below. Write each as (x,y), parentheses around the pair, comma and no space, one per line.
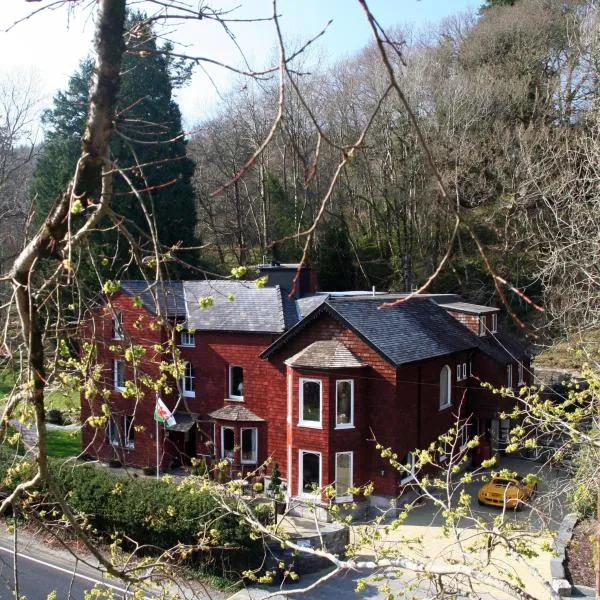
(560,584)
(334,540)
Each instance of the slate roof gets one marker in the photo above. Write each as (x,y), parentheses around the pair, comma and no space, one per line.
(254,310)
(309,303)
(168,293)
(503,347)
(234,413)
(326,354)
(415,330)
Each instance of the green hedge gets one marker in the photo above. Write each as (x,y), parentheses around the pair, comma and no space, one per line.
(157,513)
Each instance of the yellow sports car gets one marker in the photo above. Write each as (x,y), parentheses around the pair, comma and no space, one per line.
(509,492)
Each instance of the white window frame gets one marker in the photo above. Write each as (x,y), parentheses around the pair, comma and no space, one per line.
(122,439)
(301,492)
(482,325)
(509,375)
(521,373)
(127,431)
(289,399)
(494,322)
(301,422)
(188,393)
(254,459)
(117,326)
(187,339)
(231,396)
(410,476)
(349,497)
(223,457)
(464,370)
(113,428)
(349,425)
(458,372)
(448,389)
(116,381)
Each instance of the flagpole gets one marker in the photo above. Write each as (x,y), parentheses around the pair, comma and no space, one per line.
(157,451)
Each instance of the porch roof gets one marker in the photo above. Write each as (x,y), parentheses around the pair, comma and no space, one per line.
(184,421)
(234,413)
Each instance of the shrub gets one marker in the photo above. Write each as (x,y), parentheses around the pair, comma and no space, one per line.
(54,416)
(156,513)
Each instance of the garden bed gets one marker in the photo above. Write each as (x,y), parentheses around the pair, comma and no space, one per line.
(580,552)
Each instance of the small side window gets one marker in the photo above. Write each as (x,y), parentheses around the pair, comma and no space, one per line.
(117,326)
(188,339)
(482,325)
(119,375)
(494,322)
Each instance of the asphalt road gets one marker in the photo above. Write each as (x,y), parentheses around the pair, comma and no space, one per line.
(38,577)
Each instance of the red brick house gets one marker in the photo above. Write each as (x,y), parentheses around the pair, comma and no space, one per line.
(309,382)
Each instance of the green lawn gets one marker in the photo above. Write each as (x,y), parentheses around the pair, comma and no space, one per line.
(62,444)
(60,399)
(63,400)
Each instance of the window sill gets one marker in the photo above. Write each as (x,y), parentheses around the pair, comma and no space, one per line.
(127,447)
(235,399)
(187,345)
(345,426)
(408,479)
(189,394)
(312,497)
(119,389)
(310,425)
(248,462)
(343,499)
(445,406)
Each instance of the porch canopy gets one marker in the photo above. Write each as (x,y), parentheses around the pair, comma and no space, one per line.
(184,421)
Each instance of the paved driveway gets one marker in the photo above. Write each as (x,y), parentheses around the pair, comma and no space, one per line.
(424,523)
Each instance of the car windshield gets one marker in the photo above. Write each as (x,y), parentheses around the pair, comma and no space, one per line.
(503,482)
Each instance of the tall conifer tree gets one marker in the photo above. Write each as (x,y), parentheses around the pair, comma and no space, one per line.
(148,135)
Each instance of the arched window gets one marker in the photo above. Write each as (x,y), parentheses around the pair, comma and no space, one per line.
(445,387)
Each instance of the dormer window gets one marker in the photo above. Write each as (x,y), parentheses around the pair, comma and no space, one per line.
(482,325)
(117,326)
(494,322)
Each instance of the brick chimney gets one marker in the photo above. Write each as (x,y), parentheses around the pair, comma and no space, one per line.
(283,274)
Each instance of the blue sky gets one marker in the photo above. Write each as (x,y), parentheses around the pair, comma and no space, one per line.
(51,44)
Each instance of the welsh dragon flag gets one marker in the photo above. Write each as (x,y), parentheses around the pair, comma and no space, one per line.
(162,414)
